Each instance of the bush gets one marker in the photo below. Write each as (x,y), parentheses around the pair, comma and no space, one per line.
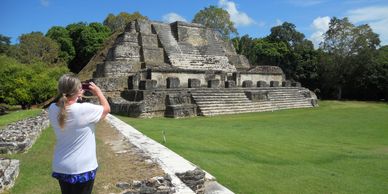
(27,84)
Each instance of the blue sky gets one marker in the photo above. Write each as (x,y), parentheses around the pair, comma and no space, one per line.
(252,17)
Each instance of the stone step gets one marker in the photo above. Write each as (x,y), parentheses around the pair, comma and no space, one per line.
(222,102)
(217,94)
(221,112)
(212,113)
(248,105)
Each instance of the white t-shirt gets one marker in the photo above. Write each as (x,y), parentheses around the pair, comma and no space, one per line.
(75,149)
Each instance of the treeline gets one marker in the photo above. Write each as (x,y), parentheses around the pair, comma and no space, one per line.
(349,64)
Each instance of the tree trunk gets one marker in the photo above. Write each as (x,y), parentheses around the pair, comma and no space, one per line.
(339,92)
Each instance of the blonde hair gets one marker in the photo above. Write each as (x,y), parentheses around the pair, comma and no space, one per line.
(68,86)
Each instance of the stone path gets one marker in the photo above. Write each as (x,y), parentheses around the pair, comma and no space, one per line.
(121,163)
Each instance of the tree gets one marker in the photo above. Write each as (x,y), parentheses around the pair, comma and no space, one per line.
(218,19)
(245,46)
(62,36)
(348,50)
(36,47)
(26,84)
(87,40)
(378,73)
(119,22)
(286,33)
(300,61)
(269,53)
(5,42)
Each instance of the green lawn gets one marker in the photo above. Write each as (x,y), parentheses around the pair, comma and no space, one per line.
(17,115)
(340,147)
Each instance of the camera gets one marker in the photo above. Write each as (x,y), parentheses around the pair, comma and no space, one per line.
(86,86)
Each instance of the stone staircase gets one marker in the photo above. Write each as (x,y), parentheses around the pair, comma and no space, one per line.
(185,56)
(233,101)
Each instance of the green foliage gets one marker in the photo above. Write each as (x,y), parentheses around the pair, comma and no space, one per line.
(218,19)
(377,75)
(119,22)
(270,53)
(349,52)
(36,47)
(26,84)
(87,40)
(62,36)
(5,42)
(286,33)
(340,147)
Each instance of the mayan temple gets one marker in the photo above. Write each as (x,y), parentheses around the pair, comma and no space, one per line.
(183,69)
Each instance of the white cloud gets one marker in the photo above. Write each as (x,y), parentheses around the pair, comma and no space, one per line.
(45,3)
(320,25)
(376,17)
(172,17)
(238,18)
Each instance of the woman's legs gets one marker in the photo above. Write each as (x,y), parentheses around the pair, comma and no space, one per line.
(78,188)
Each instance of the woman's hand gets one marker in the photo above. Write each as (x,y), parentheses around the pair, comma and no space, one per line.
(94,89)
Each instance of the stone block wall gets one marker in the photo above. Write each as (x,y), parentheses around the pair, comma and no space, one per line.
(9,170)
(21,135)
(259,77)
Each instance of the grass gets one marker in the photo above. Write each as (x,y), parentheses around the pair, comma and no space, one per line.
(35,167)
(340,147)
(17,115)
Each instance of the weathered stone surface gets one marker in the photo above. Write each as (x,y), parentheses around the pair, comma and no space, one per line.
(274,84)
(180,105)
(247,84)
(214,83)
(143,26)
(132,37)
(148,40)
(286,83)
(194,179)
(21,135)
(173,82)
(296,84)
(109,84)
(153,55)
(147,84)
(194,83)
(266,70)
(230,84)
(157,185)
(9,170)
(257,95)
(262,84)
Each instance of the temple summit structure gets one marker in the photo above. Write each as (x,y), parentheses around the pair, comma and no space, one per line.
(184,69)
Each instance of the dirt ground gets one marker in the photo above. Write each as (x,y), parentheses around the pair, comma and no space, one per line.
(119,161)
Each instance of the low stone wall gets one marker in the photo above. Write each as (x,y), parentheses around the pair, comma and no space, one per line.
(153,185)
(9,170)
(19,136)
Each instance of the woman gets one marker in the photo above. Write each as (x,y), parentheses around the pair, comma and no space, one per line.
(75,162)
